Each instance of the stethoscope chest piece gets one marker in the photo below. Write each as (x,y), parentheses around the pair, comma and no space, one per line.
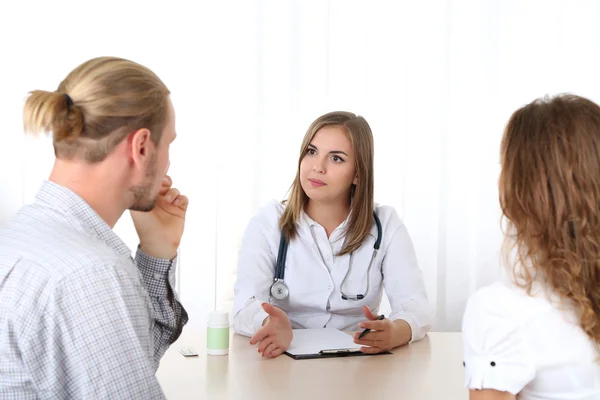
(279,290)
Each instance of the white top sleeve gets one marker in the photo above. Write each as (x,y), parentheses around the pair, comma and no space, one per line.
(496,354)
(256,269)
(403,282)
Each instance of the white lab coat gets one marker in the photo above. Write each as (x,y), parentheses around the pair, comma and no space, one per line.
(314,274)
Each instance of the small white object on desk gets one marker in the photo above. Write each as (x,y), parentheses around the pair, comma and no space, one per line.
(188,352)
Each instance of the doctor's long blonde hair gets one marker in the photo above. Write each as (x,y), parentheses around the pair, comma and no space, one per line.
(361,209)
(550,197)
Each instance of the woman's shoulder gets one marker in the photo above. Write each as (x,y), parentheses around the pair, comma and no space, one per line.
(389,218)
(505,301)
(387,213)
(268,214)
(497,352)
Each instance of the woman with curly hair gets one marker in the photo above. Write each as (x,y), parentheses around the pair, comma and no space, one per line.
(537,336)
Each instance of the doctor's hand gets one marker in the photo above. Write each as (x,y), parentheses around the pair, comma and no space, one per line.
(384,335)
(275,336)
(160,230)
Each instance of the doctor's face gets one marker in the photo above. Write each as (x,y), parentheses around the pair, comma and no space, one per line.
(327,169)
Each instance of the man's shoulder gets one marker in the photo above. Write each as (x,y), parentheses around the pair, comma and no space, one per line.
(51,243)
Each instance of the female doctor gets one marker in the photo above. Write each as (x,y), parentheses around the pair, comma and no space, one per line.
(337,251)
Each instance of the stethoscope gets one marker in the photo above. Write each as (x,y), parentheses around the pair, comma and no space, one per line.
(279,289)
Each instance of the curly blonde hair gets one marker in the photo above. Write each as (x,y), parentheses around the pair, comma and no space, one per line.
(550,196)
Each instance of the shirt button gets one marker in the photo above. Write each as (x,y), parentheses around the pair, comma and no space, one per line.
(328,287)
(157,276)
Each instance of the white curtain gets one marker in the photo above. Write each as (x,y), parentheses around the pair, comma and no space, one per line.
(437,81)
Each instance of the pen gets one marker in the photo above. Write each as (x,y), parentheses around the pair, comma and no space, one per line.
(363,333)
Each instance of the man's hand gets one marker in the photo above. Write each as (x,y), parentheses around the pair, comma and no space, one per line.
(160,230)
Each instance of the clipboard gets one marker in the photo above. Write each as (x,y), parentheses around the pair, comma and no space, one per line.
(323,343)
(333,354)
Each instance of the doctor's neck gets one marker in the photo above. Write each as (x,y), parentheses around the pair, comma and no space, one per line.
(328,214)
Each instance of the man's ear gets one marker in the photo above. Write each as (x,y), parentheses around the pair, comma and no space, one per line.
(140,147)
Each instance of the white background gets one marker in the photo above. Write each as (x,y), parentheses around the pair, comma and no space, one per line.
(437,81)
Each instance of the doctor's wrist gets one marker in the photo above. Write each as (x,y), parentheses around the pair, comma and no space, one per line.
(402,333)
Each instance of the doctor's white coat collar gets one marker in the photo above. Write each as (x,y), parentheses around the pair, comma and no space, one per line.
(306,224)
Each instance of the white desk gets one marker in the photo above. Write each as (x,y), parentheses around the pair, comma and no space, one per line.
(429,369)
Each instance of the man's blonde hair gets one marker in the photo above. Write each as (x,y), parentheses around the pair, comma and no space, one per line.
(96,106)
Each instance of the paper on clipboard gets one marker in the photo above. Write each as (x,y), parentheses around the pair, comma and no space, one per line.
(312,341)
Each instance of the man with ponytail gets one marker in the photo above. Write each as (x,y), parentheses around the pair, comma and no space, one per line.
(79,317)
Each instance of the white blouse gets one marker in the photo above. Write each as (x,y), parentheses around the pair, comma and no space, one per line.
(314,273)
(530,345)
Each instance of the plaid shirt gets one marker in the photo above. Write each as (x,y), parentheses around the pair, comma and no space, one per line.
(79,318)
